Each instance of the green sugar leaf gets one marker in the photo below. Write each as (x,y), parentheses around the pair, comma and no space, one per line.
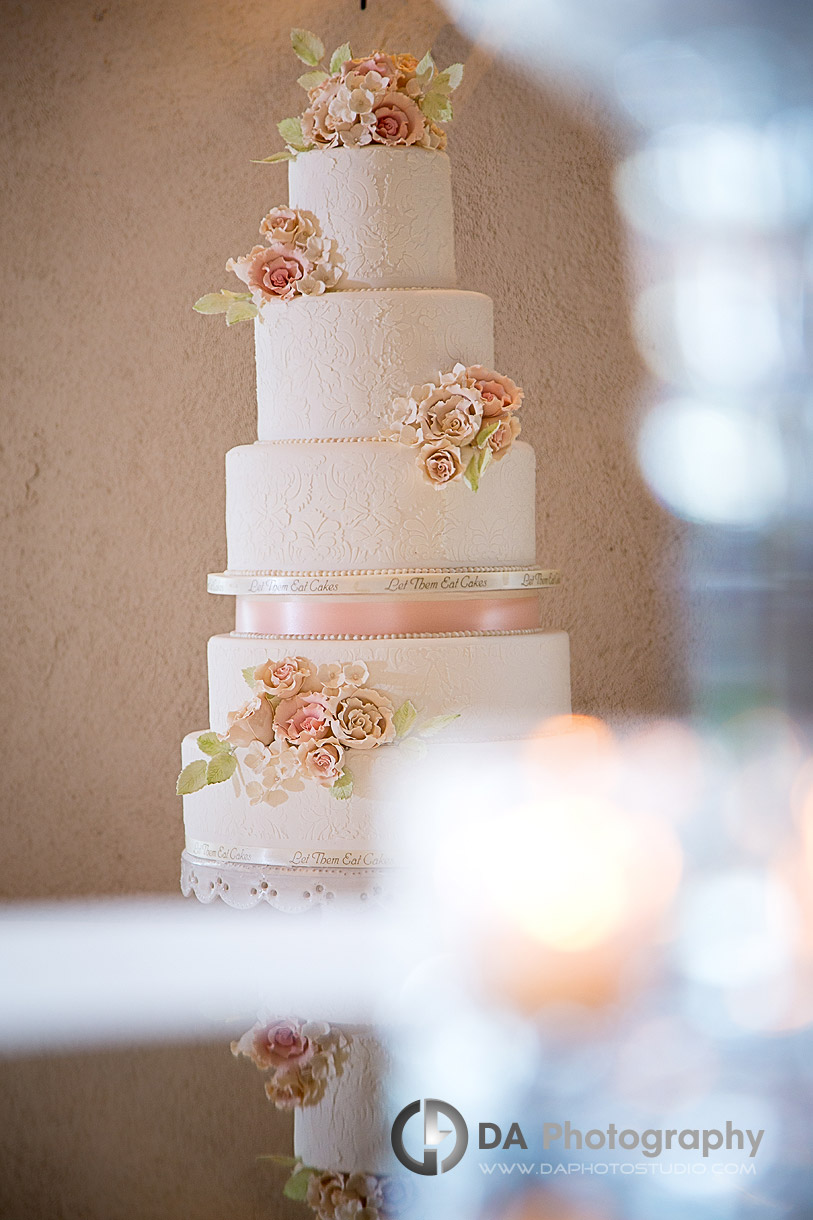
(213,302)
(455,75)
(297,1185)
(309,80)
(436,723)
(436,106)
(248,675)
(221,768)
(342,790)
(447,81)
(426,67)
(285,155)
(476,467)
(240,311)
(210,743)
(405,718)
(340,56)
(192,778)
(487,430)
(291,132)
(307,47)
(413,747)
(471,475)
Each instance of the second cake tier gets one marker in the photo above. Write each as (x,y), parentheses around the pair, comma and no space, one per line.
(332,365)
(349,505)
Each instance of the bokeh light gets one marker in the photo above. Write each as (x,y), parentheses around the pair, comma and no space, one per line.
(712,464)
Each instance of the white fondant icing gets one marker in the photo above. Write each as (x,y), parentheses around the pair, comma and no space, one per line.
(502,685)
(365,504)
(348,1131)
(310,825)
(389,210)
(330,365)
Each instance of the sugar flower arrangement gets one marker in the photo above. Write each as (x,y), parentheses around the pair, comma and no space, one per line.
(374,99)
(299,1058)
(303,725)
(342,1196)
(459,424)
(333,1195)
(296,260)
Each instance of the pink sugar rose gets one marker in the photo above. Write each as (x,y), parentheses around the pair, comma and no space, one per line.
(303,718)
(271,271)
(322,760)
(398,120)
(498,393)
(276,1045)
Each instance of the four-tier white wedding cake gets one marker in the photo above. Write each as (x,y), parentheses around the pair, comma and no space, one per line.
(380,531)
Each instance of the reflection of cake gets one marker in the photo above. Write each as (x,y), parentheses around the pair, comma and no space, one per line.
(387,593)
(347,1130)
(335,1082)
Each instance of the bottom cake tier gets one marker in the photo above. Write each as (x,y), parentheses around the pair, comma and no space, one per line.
(348,1129)
(326,735)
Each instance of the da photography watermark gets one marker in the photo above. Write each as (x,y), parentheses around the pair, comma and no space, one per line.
(433,1136)
(651,1143)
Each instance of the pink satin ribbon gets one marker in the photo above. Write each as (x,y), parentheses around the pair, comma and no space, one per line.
(376,616)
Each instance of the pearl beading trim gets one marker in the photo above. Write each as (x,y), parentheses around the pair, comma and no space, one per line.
(422,635)
(370,288)
(508,567)
(330,440)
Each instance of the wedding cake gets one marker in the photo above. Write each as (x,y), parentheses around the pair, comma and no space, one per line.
(380,531)
(335,1081)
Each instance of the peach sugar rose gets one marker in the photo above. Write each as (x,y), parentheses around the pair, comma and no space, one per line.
(499,393)
(363,719)
(285,678)
(441,463)
(254,721)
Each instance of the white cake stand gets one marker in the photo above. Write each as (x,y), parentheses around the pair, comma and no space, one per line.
(292,890)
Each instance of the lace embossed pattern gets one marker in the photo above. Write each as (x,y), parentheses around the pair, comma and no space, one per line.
(366,505)
(526,677)
(364,351)
(389,210)
(308,820)
(349,1125)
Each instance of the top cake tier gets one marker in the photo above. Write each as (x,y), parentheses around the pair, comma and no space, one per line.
(388,209)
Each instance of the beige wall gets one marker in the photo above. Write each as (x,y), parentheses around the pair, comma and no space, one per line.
(129,129)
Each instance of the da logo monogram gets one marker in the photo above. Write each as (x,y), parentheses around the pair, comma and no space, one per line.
(433,1135)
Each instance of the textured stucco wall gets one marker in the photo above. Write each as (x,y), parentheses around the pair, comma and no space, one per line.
(129,129)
